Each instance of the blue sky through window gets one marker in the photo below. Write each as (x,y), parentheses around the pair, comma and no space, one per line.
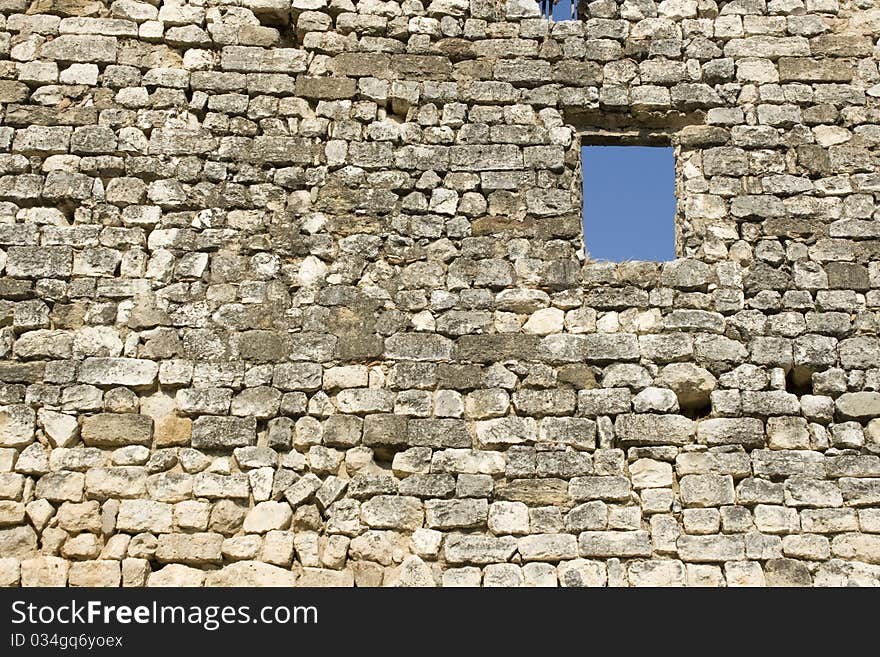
(562,10)
(629,202)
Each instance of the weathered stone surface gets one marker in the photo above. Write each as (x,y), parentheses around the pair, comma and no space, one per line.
(217,432)
(16,425)
(858,405)
(62,486)
(61,429)
(406,346)
(297,376)
(707,490)
(860,547)
(690,383)
(605,487)
(748,432)
(647,473)
(456,514)
(95,573)
(476,549)
(438,433)
(415,573)
(18,542)
(44,571)
(130,372)
(506,431)
(116,430)
(547,547)
(787,463)
(321,577)
(657,573)
(534,491)
(582,573)
(266,516)
(10,572)
(393,512)
(299,293)
(198,548)
(653,429)
(259,60)
(614,544)
(251,573)
(709,549)
(176,575)
(135,516)
(212,485)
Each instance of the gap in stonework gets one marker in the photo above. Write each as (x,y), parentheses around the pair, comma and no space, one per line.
(629,202)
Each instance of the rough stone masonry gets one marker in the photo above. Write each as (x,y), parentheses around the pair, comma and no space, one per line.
(294,292)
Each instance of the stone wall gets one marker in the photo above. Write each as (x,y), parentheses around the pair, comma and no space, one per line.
(295,292)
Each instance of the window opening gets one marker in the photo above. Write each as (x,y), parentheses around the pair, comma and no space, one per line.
(559,10)
(629,202)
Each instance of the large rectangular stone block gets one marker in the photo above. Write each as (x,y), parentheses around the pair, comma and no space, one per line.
(213,485)
(418,346)
(126,481)
(600,487)
(548,547)
(456,514)
(136,516)
(393,512)
(221,432)
(478,549)
(748,432)
(709,549)
(117,429)
(39,261)
(805,69)
(510,430)
(194,549)
(534,492)
(131,372)
(282,150)
(325,88)
(614,544)
(706,490)
(483,157)
(612,347)
(80,49)
(654,429)
(263,60)
(440,432)
(17,424)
